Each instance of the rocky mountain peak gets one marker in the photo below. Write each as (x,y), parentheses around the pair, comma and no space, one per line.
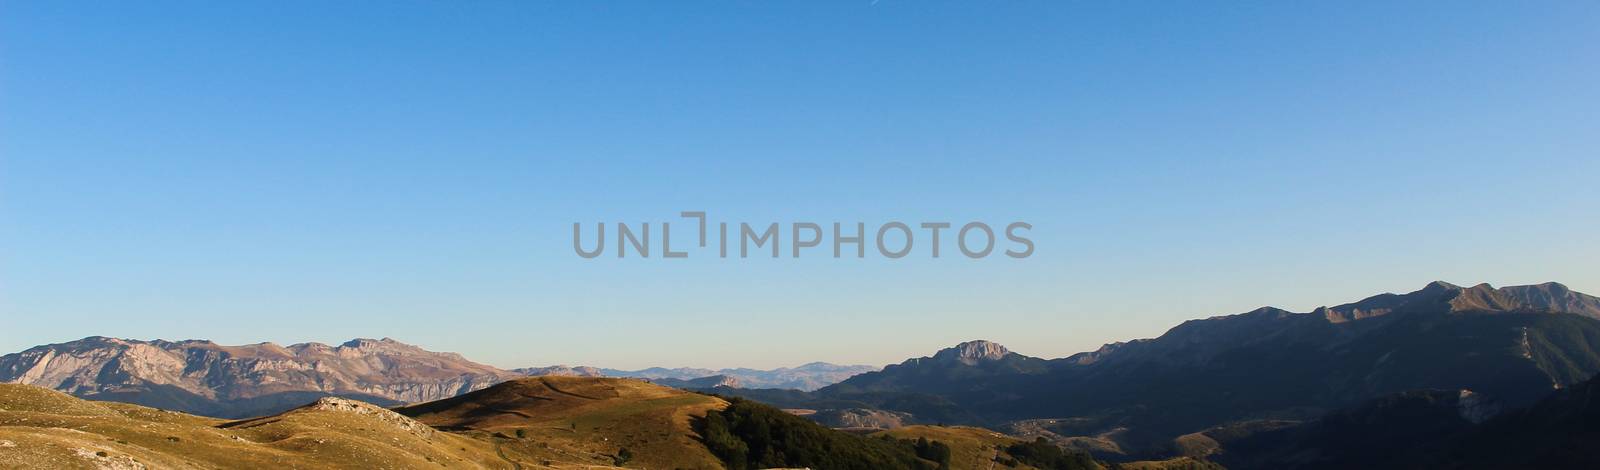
(232,381)
(1546,297)
(973,352)
(383,348)
(367,343)
(1439,286)
(1440,296)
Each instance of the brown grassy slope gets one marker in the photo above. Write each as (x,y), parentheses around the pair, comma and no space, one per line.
(581,420)
(541,422)
(970,447)
(563,423)
(40,428)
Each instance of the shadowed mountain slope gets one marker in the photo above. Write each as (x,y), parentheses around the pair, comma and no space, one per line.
(1512,345)
(1557,432)
(1427,429)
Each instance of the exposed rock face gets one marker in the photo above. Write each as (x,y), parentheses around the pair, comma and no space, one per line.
(861,418)
(973,352)
(343,405)
(234,381)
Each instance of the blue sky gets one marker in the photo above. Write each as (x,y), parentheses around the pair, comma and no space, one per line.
(306,171)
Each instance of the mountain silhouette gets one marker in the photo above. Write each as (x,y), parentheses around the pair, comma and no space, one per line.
(1512,345)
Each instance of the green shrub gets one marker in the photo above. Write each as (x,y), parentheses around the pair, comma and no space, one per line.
(1041,453)
(751,435)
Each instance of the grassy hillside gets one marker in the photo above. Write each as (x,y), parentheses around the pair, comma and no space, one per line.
(539,422)
(585,420)
(969,447)
(550,422)
(40,428)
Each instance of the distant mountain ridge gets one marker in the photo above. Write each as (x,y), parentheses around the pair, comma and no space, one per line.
(806,377)
(560,371)
(206,378)
(713,381)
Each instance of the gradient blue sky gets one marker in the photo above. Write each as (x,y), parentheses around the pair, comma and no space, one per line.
(317,171)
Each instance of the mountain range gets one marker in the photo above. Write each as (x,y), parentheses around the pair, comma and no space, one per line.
(206,378)
(806,377)
(590,422)
(1511,345)
(1443,376)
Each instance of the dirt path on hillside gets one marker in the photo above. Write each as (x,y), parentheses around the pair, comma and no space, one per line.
(502,454)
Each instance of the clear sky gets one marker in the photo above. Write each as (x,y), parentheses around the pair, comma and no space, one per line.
(318,171)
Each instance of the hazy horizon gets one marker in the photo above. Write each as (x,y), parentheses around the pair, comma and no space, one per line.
(319,172)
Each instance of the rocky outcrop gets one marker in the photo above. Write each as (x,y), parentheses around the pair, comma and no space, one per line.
(973,352)
(377,413)
(861,418)
(203,377)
